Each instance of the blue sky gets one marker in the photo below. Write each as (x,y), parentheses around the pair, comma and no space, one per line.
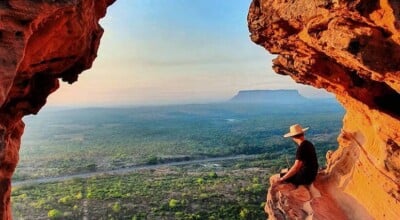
(174,51)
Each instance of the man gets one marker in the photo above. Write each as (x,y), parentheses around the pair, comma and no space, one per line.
(305,168)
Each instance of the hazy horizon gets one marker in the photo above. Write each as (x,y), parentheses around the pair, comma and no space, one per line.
(323,97)
(174,52)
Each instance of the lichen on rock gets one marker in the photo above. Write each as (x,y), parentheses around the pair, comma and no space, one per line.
(351,49)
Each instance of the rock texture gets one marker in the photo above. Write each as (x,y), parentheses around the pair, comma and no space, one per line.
(352,49)
(285,201)
(40,42)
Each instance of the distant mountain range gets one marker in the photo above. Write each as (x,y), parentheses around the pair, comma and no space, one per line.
(281,96)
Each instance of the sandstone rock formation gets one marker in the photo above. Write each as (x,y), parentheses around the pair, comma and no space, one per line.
(352,49)
(285,201)
(40,42)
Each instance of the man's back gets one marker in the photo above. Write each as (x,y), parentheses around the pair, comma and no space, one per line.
(306,153)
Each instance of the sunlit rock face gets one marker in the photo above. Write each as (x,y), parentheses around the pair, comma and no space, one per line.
(350,48)
(40,42)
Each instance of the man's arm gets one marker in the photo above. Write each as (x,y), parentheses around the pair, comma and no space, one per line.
(293,170)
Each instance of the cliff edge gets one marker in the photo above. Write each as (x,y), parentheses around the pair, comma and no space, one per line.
(40,42)
(351,49)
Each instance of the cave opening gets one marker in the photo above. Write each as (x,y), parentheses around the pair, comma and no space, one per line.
(42,84)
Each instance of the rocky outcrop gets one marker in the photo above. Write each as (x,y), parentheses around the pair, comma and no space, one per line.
(40,42)
(285,201)
(351,49)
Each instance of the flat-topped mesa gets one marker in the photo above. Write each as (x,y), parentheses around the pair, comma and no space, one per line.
(40,41)
(352,49)
(269,96)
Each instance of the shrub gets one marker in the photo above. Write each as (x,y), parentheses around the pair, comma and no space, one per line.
(244,213)
(200,180)
(179,214)
(89,195)
(256,188)
(184,202)
(65,200)
(78,195)
(54,213)
(203,196)
(91,167)
(22,196)
(255,180)
(173,203)
(152,160)
(116,207)
(213,175)
(40,203)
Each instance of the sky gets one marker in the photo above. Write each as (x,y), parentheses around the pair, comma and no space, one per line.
(174,51)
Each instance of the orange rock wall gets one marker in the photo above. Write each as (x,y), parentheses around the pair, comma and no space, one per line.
(40,42)
(351,49)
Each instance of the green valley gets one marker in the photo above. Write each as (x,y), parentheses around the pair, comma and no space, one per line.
(62,142)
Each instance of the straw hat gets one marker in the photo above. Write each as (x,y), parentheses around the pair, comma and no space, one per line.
(295,130)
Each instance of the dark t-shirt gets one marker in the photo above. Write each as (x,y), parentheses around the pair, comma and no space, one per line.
(306,154)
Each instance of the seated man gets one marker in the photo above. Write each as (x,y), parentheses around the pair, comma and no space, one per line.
(305,168)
